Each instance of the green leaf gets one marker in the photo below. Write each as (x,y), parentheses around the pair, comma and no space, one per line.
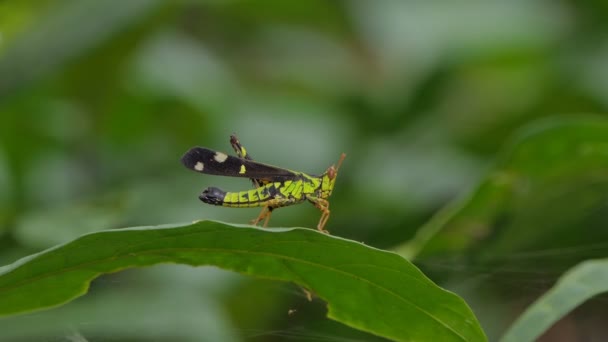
(582,282)
(366,288)
(544,167)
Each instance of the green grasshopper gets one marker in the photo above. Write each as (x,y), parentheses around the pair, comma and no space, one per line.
(274,187)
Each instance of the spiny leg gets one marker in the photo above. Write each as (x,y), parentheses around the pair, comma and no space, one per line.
(322,205)
(324,217)
(268,214)
(270,206)
(264,215)
(243,154)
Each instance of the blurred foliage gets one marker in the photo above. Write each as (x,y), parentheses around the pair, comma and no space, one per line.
(547,165)
(99,99)
(584,281)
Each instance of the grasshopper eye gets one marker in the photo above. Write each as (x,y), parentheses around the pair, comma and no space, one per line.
(331,172)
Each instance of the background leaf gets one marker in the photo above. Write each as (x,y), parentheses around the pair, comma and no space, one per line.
(582,282)
(517,224)
(543,166)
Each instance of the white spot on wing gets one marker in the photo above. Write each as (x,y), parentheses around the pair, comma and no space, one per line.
(199,166)
(220,157)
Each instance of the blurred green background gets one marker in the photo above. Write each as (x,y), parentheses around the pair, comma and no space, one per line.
(99,100)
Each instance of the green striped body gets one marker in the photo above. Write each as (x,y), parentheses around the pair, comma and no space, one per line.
(273,194)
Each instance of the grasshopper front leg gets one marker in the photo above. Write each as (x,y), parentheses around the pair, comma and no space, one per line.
(323,205)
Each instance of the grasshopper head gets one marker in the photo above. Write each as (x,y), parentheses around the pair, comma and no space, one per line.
(332,171)
(329,177)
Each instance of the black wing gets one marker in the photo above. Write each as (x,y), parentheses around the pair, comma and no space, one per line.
(211,162)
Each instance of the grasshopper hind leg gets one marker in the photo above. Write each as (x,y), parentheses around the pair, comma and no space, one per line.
(264,215)
(242,153)
(269,207)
